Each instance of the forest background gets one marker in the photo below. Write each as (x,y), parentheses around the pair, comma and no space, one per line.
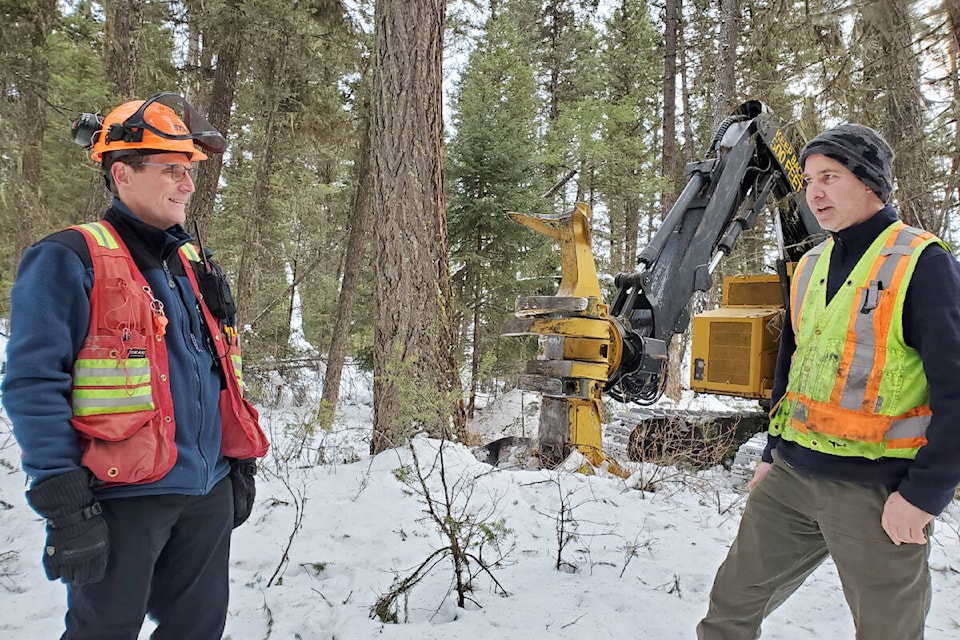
(375,147)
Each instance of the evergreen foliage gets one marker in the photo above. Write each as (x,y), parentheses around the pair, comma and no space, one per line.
(493,167)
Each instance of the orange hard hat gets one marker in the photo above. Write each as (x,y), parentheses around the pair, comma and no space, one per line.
(152,125)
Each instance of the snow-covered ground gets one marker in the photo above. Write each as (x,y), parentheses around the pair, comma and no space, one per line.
(334,528)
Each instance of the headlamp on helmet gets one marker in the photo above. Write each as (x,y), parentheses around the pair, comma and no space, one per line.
(84,128)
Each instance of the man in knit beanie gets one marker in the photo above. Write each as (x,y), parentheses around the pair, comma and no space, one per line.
(861,150)
(849,175)
(863,449)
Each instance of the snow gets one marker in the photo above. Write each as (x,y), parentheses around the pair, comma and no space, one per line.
(634,564)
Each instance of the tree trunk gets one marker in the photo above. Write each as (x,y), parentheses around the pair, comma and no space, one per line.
(618,238)
(725,90)
(257,216)
(631,234)
(259,212)
(228,47)
(362,213)
(952,7)
(416,383)
(898,82)
(669,158)
(674,383)
(35,96)
(123,26)
(475,353)
(124,22)
(685,90)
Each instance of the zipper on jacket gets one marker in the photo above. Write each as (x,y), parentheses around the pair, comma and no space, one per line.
(191,330)
(169,276)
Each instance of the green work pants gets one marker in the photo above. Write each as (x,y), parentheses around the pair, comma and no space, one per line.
(791,523)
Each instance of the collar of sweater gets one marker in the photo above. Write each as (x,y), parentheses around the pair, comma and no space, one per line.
(161,243)
(854,241)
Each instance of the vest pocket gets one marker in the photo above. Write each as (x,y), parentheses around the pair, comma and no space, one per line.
(112,392)
(242,436)
(124,437)
(146,456)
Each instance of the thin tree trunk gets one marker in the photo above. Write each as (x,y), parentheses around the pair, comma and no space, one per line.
(416,382)
(259,211)
(631,234)
(475,350)
(35,93)
(361,214)
(898,80)
(685,90)
(669,158)
(228,46)
(124,22)
(725,88)
(256,217)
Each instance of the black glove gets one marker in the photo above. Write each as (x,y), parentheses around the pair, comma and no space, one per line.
(242,474)
(78,541)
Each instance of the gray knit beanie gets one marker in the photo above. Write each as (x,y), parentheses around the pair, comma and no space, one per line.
(861,150)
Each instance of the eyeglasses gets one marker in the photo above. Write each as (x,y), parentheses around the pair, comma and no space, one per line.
(177,172)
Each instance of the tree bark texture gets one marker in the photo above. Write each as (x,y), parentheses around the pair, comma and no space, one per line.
(895,71)
(362,214)
(123,26)
(725,88)
(124,22)
(36,122)
(685,89)
(416,384)
(227,41)
(669,159)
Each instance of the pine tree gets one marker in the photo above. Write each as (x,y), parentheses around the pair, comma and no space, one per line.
(629,179)
(493,168)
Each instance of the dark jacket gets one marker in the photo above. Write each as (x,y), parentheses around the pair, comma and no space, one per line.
(931,325)
(50,312)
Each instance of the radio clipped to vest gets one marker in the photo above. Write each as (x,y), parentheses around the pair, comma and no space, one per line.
(213,285)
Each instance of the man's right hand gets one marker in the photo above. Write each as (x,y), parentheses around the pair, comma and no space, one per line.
(78,542)
(763,468)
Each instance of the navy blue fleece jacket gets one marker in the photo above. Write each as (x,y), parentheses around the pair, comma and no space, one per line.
(49,316)
(931,325)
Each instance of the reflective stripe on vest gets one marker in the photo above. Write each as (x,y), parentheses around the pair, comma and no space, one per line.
(191,252)
(107,386)
(101,234)
(237,363)
(848,414)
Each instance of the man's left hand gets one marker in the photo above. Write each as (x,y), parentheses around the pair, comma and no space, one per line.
(243,477)
(903,522)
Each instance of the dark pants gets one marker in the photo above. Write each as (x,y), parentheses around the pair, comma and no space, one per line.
(791,523)
(169,559)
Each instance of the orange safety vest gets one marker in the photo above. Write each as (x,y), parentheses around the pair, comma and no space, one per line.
(855,387)
(121,399)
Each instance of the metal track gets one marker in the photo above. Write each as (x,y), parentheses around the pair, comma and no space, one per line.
(676,436)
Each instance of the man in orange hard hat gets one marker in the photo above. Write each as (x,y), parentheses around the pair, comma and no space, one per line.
(123,386)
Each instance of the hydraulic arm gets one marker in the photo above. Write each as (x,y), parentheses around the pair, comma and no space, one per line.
(586,348)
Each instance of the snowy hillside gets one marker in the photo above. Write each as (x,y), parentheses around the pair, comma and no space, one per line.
(334,528)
